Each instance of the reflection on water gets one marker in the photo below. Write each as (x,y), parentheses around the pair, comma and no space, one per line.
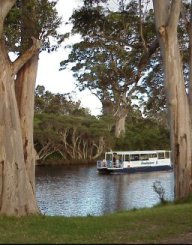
(81,191)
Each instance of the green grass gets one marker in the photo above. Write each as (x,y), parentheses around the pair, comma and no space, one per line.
(149,225)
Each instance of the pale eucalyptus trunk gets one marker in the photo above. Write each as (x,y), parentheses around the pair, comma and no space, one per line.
(118,115)
(120,126)
(17,195)
(25,90)
(166,19)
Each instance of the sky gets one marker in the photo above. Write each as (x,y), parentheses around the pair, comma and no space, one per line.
(63,82)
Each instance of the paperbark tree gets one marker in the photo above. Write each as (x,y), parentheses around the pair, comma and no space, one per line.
(26,76)
(25,86)
(167,15)
(17,196)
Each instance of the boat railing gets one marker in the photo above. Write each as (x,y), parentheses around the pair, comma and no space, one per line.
(111,164)
(101,164)
(108,164)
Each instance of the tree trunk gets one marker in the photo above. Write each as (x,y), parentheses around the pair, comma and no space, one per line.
(25,89)
(118,115)
(16,193)
(120,126)
(166,18)
(180,122)
(17,196)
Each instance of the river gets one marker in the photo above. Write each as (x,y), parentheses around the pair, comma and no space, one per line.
(81,191)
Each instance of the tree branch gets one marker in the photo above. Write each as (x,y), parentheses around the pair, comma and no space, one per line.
(146,56)
(5,7)
(22,59)
(141,28)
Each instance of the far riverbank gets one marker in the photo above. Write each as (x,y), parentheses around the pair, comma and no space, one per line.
(52,162)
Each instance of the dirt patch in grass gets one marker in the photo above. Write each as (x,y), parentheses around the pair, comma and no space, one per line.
(179,239)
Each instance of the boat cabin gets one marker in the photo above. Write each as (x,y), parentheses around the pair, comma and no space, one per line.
(137,160)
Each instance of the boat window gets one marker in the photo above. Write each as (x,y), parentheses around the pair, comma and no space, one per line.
(161,155)
(167,154)
(153,155)
(120,157)
(144,157)
(127,158)
(109,157)
(134,157)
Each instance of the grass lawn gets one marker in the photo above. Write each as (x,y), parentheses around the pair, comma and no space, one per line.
(149,225)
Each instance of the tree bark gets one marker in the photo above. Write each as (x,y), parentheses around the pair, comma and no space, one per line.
(166,19)
(17,196)
(16,193)
(118,114)
(120,125)
(25,90)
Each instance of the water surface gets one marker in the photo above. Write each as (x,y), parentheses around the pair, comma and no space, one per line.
(81,191)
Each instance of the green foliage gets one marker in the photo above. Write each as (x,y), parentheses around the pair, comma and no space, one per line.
(73,137)
(62,129)
(111,53)
(106,59)
(84,18)
(42,23)
(143,134)
(47,102)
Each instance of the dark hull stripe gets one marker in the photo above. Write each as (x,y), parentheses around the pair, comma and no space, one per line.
(135,170)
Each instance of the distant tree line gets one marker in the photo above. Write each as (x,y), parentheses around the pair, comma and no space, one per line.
(66,132)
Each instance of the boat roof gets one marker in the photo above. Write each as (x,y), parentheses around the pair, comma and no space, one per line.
(137,152)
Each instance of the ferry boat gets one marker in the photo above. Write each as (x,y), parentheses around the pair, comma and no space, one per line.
(135,161)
